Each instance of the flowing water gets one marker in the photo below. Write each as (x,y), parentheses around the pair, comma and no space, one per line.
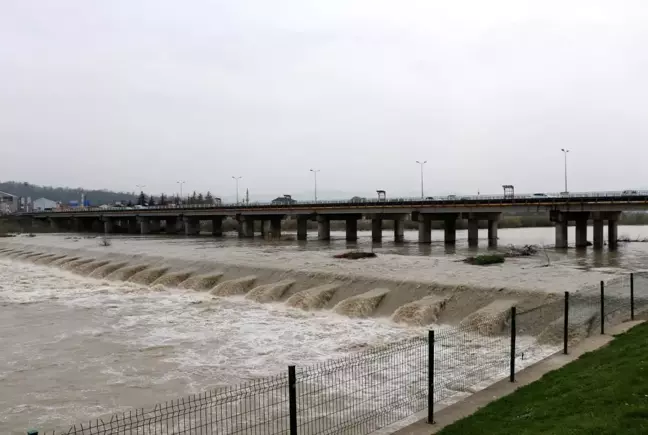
(87,332)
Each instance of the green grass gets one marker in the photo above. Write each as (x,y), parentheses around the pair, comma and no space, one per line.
(603,392)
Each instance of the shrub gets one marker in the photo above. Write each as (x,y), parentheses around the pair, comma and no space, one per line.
(485,260)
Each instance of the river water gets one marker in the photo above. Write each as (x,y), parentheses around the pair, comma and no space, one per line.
(76,347)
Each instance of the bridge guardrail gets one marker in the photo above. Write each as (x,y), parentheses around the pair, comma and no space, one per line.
(438,200)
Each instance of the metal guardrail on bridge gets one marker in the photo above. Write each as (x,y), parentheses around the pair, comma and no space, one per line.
(548,199)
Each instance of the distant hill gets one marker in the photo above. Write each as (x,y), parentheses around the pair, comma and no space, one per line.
(64,194)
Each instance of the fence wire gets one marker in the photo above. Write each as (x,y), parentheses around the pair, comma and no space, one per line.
(641,294)
(256,407)
(470,356)
(365,392)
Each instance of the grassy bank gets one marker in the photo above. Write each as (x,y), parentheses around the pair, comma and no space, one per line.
(603,392)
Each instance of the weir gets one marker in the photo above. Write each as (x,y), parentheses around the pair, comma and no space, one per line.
(405,302)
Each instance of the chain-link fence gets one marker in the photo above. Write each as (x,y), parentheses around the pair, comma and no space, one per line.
(373,389)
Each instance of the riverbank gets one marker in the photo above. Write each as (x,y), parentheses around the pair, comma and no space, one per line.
(603,392)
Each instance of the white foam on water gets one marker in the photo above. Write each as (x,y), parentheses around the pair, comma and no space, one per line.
(78,341)
(100,339)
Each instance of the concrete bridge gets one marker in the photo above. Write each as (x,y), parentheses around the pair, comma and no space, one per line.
(601,208)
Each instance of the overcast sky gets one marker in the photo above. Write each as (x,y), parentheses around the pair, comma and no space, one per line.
(116,93)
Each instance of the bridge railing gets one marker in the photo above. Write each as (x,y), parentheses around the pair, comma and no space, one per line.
(625,196)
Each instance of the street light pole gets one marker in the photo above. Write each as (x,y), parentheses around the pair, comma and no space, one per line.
(181,183)
(237,188)
(315,171)
(565,151)
(422,163)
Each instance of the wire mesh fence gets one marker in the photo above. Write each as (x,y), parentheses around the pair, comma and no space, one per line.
(640,294)
(373,389)
(256,407)
(470,355)
(363,393)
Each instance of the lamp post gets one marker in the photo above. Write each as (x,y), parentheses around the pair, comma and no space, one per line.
(181,183)
(565,151)
(315,171)
(237,187)
(422,163)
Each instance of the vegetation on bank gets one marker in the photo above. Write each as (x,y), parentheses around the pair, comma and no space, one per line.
(603,392)
(485,260)
(64,194)
(355,255)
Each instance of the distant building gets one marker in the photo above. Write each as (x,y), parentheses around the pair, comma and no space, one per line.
(44,204)
(8,203)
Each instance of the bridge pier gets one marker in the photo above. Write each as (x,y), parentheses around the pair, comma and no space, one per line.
(450,230)
(155,225)
(493,226)
(598,233)
(376,230)
(109,225)
(561,235)
(581,231)
(302,228)
(54,225)
(425,229)
(192,226)
(399,229)
(271,228)
(323,228)
(247,226)
(145,226)
(83,224)
(473,232)
(613,233)
(131,226)
(351,229)
(217,226)
(171,225)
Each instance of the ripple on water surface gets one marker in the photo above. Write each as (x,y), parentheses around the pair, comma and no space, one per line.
(79,343)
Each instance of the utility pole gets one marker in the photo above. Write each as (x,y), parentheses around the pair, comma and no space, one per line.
(422,163)
(181,183)
(315,171)
(565,151)
(237,187)
(247,196)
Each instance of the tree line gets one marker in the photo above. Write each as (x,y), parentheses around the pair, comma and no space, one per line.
(65,194)
(196,198)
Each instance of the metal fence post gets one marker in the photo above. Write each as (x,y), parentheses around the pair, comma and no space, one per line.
(512,376)
(292,399)
(430,418)
(602,308)
(632,296)
(566,324)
